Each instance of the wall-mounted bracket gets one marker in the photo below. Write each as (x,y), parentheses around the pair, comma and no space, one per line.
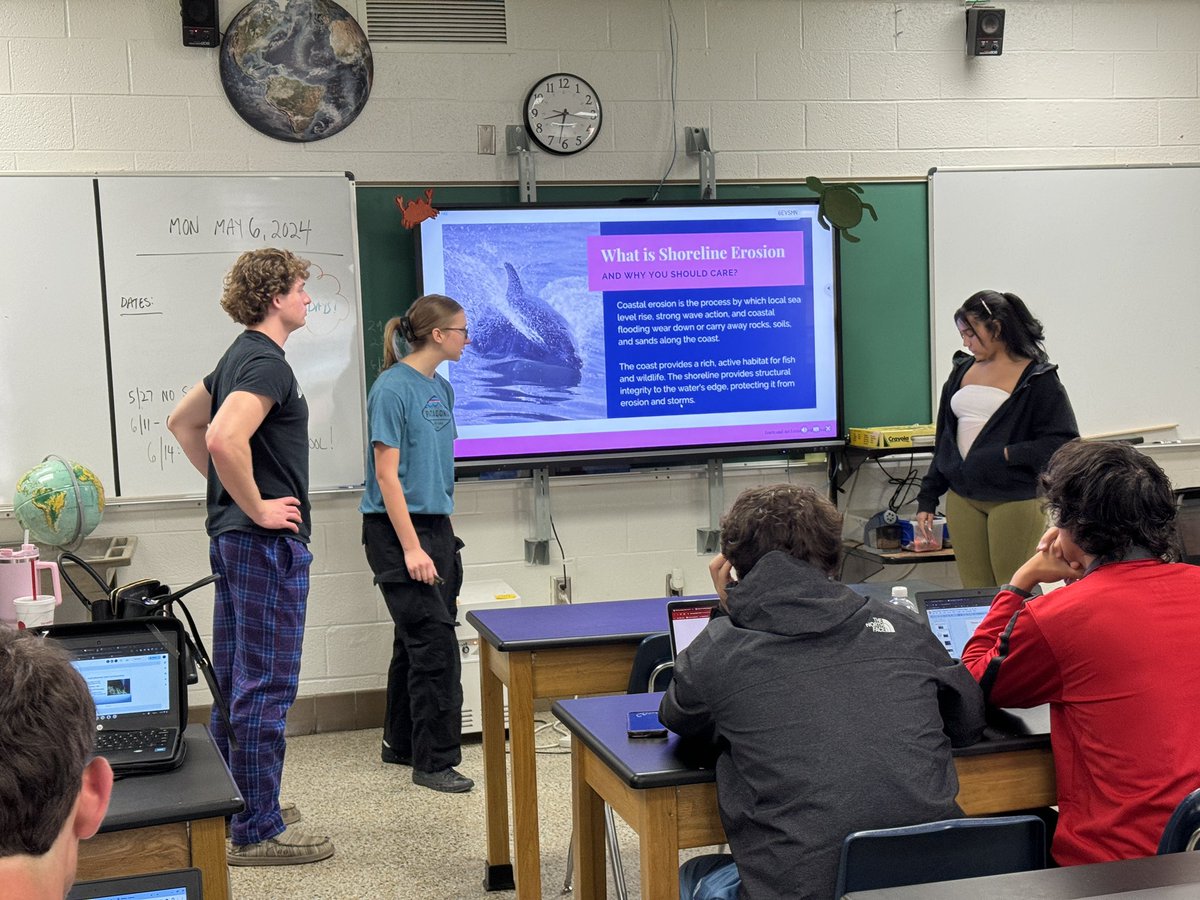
(708,540)
(697,143)
(537,546)
(516,143)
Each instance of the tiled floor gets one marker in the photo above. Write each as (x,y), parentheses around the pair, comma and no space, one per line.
(397,841)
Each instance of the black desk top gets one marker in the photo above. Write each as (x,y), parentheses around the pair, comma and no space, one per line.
(1176,875)
(201,788)
(601,724)
(519,628)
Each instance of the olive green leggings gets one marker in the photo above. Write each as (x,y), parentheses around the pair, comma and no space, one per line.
(992,539)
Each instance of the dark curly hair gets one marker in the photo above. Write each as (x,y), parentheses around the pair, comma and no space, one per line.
(1007,319)
(788,517)
(1110,498)
(257,278)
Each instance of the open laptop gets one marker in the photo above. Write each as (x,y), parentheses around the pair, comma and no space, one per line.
(954,615)
(686,619)
(181,884)
(137,677)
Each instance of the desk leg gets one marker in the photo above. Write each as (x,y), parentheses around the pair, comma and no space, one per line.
(524,776)
(659,841)
(587,815)
(498,873)
(208,855)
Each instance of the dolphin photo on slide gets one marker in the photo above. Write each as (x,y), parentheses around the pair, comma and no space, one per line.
(527,341)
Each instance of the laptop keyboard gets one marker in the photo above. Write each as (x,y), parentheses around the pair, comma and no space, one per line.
(150,739)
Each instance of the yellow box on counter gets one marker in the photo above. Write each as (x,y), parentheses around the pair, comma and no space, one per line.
(886,437)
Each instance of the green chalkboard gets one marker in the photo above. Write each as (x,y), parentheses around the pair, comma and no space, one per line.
(884,279)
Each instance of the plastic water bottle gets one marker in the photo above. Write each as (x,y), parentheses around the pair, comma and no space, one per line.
(899,599)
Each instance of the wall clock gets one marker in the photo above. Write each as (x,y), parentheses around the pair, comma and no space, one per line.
(563,113)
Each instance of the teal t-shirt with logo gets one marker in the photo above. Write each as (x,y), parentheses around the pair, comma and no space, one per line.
(414,414)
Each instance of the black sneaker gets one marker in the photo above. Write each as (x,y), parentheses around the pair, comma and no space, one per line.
(448,781)
(388,755)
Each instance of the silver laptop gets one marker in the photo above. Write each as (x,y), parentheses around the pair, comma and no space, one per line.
(685,620)
(181,884)
(954,615)
(136,674)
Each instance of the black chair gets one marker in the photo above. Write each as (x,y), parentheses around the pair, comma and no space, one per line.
(1187,523)
(651,671)
(1183,828)
(940,851)
(652,665)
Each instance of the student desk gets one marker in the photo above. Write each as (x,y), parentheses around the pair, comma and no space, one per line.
(670,800)
(171,820)
(1176,875)
(547,652)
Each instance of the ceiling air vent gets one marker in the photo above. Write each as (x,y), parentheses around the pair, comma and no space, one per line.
(441,21)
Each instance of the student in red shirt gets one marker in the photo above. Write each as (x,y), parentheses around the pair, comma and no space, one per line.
(1113,652)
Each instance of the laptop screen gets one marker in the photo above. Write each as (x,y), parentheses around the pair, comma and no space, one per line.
(686,619)
(132,672)
(126,682)
(953,616)
(182,884)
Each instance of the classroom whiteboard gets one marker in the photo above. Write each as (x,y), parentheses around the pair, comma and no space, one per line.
(1109,260)
(120,315)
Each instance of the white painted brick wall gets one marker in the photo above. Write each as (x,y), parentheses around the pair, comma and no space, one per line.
(836,88)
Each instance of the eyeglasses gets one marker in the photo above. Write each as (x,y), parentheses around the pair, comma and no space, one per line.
(465,332)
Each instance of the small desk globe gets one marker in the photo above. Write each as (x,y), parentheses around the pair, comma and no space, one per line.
(60,501)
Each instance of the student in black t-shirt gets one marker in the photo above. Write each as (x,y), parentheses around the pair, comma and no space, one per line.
(245,428)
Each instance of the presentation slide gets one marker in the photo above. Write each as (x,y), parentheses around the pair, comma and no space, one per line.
(639,329)
(127,685)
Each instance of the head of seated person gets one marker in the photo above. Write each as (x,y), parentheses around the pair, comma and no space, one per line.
(1108,501)
(53,790)
(787,518)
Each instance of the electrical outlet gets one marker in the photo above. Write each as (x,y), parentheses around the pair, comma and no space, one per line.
(560,588)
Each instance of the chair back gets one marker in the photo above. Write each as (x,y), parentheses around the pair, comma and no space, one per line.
(1183,828)
(652,665)
(940,851)
(1187,523)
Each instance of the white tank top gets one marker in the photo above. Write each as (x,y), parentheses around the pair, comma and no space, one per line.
(974,404)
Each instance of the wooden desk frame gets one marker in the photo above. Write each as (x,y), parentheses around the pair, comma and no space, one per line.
(161,848)
(531,675)
(668,819)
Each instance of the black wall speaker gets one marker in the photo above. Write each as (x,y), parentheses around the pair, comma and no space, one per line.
(985,31)
(200,21)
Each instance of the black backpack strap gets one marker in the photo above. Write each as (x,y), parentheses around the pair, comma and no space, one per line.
(204,663)
(96,576)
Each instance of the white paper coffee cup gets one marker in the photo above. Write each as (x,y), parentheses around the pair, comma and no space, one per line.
(33,612)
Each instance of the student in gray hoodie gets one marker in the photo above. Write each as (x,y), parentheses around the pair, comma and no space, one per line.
(833,713)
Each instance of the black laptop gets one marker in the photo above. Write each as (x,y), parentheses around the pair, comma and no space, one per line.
(136,674)
(181,884)
(954,615)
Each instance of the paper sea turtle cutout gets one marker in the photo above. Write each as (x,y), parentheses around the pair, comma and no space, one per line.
(840,205)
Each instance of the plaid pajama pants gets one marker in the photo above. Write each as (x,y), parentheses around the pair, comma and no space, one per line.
(258,632)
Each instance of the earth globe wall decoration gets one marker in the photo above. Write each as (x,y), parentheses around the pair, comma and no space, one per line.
(296,70)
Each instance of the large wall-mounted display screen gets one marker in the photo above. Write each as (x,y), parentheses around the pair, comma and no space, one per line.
(639,331)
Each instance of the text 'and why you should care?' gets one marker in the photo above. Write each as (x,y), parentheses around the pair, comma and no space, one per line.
(694,347)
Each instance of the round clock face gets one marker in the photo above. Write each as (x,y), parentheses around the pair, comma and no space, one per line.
(563,114)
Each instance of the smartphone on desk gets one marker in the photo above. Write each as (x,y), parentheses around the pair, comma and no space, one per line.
(644,725)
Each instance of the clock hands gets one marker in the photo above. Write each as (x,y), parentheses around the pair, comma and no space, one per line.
(563,113)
